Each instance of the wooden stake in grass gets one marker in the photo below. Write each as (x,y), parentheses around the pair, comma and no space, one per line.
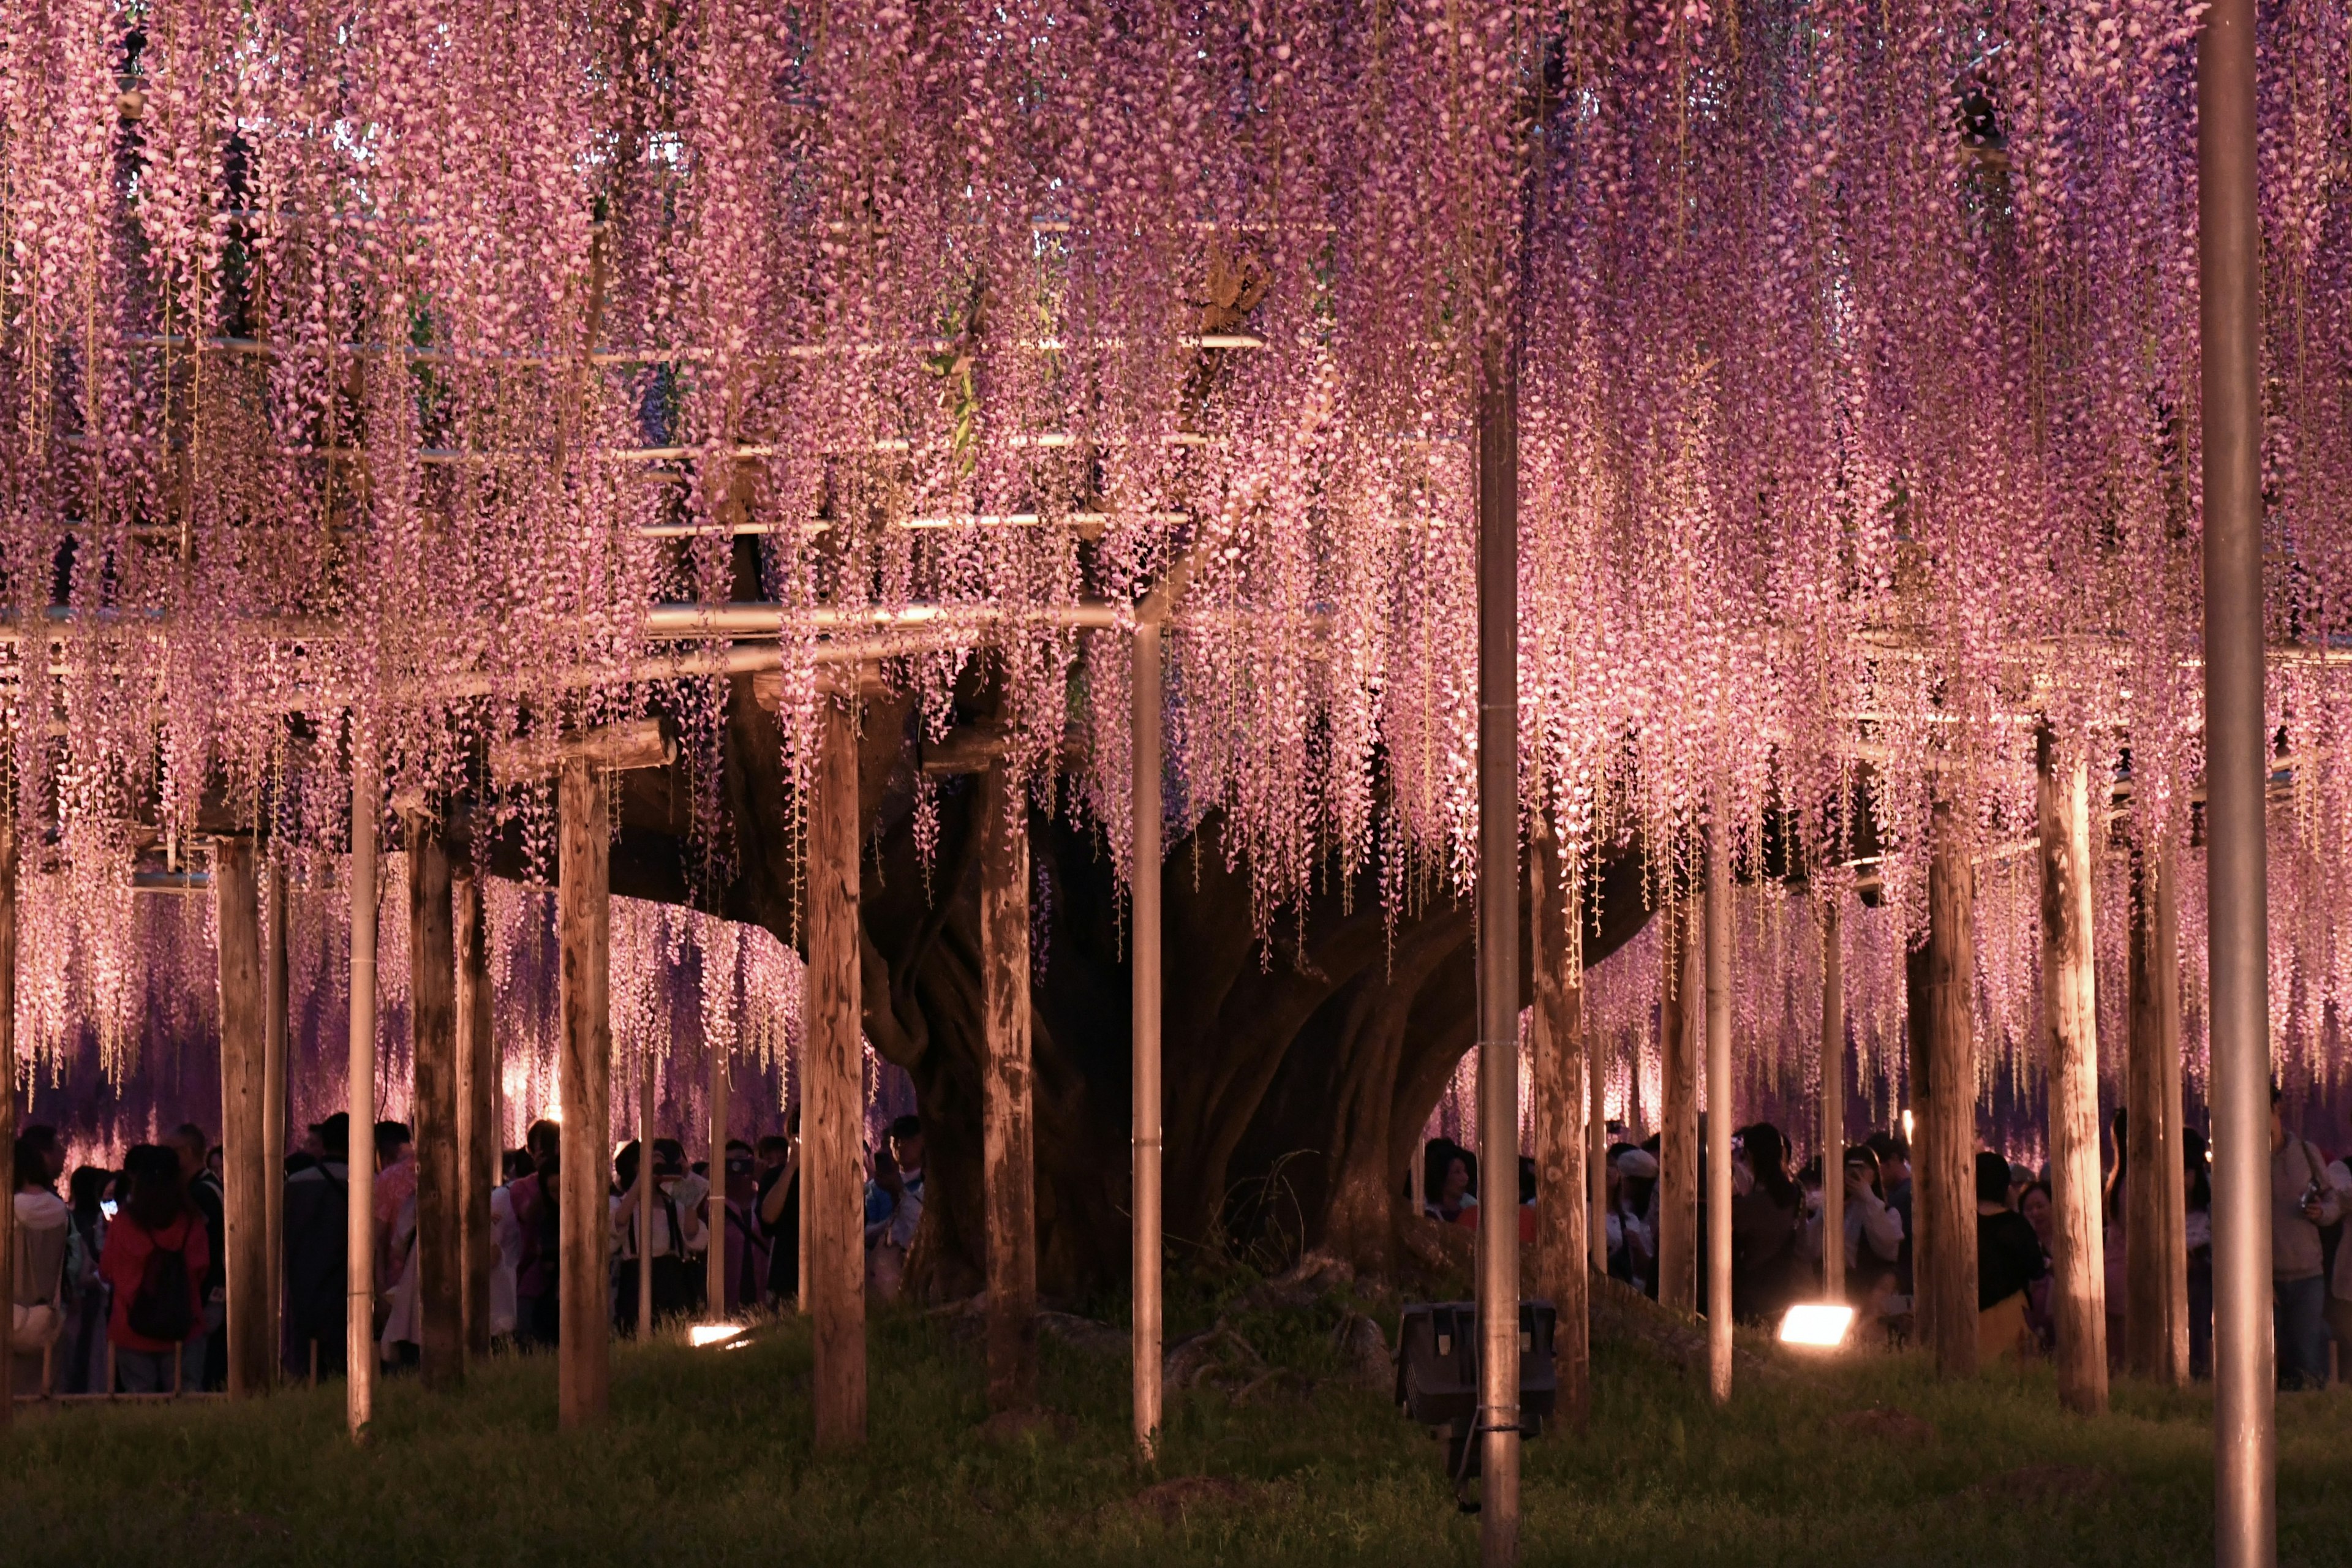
(1677,1119)
(2155,1252)
(1008,1169)
(715,1260)
(833,1106)
(433,1028)
(2070,1021)
(479,1146)
(1945,1092)
(1557,1089)
(584,1051)
(244,1025)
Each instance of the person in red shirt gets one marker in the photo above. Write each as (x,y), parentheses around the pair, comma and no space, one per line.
(156,1252)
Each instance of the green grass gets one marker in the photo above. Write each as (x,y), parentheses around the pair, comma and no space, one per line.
(708,1460)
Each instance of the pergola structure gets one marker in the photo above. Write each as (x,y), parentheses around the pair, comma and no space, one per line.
(1768,440)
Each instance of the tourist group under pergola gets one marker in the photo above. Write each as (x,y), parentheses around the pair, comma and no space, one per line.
(1801,444)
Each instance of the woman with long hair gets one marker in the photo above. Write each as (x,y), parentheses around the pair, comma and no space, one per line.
(1767,1268)
(156,1255)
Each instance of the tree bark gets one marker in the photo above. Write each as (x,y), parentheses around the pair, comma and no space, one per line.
(584,935)
(1008,1177)
(479,1133)
(432,1033)
(243,1022)
(1678,1119)
(1557,1090)
(2070,1023)
(1945,1256)
(2156,1240)
(834,1093)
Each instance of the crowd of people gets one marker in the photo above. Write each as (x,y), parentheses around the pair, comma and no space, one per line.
(1777,1216)
(119,1285)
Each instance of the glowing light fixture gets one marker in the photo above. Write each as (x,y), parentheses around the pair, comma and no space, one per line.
(1819,1323)
(702,1336)
(1906,1127)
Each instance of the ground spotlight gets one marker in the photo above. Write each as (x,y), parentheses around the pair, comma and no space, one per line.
(705,1336)
(1819,1323)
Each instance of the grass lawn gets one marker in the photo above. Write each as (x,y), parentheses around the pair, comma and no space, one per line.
(708,1460)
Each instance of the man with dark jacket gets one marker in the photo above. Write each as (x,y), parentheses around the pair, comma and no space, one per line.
(204,1360)
(316,1223)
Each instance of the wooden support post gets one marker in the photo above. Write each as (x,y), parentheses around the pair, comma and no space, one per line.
(1557,1089)
(1008,1169)
(1719,1116)
(9,1101)
(584,1051)
(833,1095)
(715,1284)
(433,1029)
(2070,1017)
(479,1141)
(276,997)
(359,1302)
(1943,1142)
(1832,1098)
(244,1028)
(1146,1129)
(2156,1240)
(1678,1120)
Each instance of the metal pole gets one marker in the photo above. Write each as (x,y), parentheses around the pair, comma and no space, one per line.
(359,1306)
(274,1087)
(1144,879)
(2245,1525)
(8,1110)
(1718,1110)
(644,1195)
(1596,1161)
(1832,1098)
(715,1285)
(1499,956)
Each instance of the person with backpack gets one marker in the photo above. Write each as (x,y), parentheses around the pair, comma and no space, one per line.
(157,1257)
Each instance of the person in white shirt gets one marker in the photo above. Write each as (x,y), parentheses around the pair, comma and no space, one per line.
(43,1237)
(679,1233)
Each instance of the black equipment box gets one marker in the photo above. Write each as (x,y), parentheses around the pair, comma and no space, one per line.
(1437,1364)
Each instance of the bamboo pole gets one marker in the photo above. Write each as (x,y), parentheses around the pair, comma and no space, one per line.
(1557,1090)
(1498,954)
(276,1018)
(1677,1261)
(244,1028)
(2071,1049)
(359,1305)
(8,1103)
(2156,1241)
(432,1033)
(584,927)
(1008,1172)
(1719,1111)
(832,1104)
(1596,1156)
(1944,1151)
(645,1194)
(2229,334)
(1144,802)
(478,1140)
(1832,1098)
(715,1284)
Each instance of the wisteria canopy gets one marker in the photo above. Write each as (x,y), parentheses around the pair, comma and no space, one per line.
(395,380)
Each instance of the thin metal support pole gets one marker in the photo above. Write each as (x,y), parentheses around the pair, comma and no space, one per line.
(359,1308)
(1833,1097)
(1718,943)
(1498,957)
(1145,804)
(2245,1446)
